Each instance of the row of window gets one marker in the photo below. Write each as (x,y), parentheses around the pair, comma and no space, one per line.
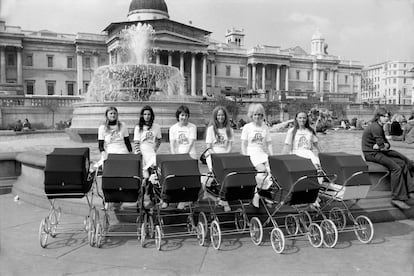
(50,61)
(51,87)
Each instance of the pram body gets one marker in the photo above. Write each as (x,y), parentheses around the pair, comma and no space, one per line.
(121,183)
(67,175)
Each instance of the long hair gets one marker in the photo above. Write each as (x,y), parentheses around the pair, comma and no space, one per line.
(378,113)
(118,123)
(216,125)
(296,125)
(142,122)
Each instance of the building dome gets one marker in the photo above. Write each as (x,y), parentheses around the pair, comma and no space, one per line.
(147,10)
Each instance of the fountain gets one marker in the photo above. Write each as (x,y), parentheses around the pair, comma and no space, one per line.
(130,84)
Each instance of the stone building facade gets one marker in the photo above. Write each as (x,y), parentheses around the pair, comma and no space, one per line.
(390,82)
(48,63)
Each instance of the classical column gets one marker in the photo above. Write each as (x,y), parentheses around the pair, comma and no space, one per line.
(277,77)
(254,76)
(264,77)
(118,57)
(110,58)
(352,83)
(287,79)
(358,83)
(2,64)
(169,58)
(182,88)
(331,81)
(321,79)
(204,87)
(79,69)
(249,77)
(336,81)
(19,66)
(315,78)
(213,74)
(95,58)
(193,75)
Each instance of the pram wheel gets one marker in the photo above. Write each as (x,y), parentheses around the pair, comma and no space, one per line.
(215,234)
(150,226)
(240,220)
(43,232)
(305,220)
(105,222)
(256,231)
(338,217)
(53,223)
(157,237)
(278,240)
(202,218)
(190,224)
(143,233)
(91,232)
(201,234)
(364,230)
(292,224)
(330,233)
(98,235)
(315,235)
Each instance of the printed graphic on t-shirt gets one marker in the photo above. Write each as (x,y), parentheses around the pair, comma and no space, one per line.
(182,139)
(149,137)
(114,136)
(303,142)
(220,139)
(258,138)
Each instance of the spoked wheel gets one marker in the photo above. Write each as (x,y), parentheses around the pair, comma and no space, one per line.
(337,215)
(292,224)
(151,226)
(53,223)
(98,235)
(43,232)
(256,231)
(315,235)
(158,237)
(143,233)
(105,222)
(240,220)
(203,219)
(91,232)
(277,238)
(201,235)
(215,234)
(364,230)
(330,233)
(305,220)
(190,224)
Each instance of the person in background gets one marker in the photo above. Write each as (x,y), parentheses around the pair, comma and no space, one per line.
(257,143)
(376,148)
(27,125)
(18,126)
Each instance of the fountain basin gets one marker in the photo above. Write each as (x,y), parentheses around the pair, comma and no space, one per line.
(87,117)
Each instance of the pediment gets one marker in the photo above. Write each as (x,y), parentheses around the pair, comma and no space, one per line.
(169,37)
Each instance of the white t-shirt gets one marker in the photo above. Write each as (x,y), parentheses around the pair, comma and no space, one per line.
(182,135)
(219,142)
(303,144)
(147,142)
(114,138)
(304,139)
(256,137)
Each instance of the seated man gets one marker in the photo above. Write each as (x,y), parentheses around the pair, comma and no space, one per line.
(376,148)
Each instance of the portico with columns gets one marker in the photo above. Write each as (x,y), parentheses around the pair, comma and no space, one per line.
(267,75)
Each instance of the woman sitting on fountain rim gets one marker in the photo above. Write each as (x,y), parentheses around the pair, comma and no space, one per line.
(113,135)
(147,140)
(183,135)
(376,148)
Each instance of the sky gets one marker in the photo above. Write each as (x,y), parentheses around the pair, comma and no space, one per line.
(370,31)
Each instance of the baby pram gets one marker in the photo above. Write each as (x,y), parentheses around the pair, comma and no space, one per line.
(121,183)
(339,196)
(234,176)
(178,181)
(298,186)
(67,176)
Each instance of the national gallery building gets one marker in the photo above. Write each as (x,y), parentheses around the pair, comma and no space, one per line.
(48,63)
